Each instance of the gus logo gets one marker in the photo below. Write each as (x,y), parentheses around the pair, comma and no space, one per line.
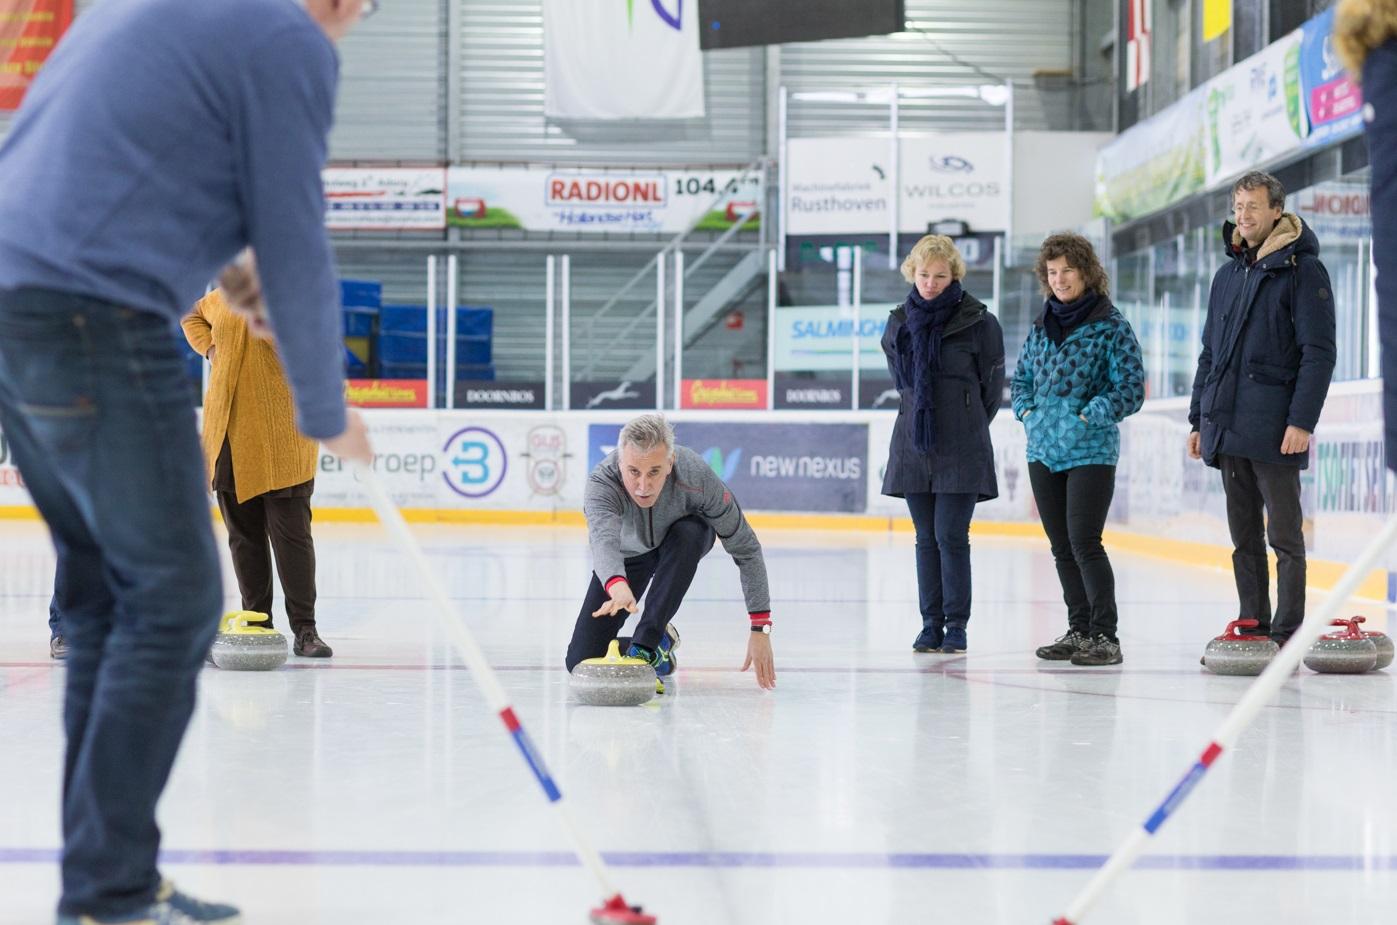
(474,462)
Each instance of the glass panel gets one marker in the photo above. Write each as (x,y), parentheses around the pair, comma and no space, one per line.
(1337,212)
(611,340)
(1171,354)
(724,346)
(1131,287)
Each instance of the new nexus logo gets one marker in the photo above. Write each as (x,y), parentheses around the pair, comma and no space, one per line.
(724,466)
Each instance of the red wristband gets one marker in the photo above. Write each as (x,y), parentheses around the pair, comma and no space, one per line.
(612,580)
(761,618)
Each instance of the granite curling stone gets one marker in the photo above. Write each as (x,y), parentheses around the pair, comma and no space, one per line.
(1347,651)
(613,680)
(1237,652)
(1381,641)
(242,645)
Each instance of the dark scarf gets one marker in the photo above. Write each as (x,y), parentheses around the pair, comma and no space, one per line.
(1060,319)
(926,322)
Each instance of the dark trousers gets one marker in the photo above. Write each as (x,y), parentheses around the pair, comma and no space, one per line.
(943,556)
(264,526)
(671,565)
(1072,505)
(1252,487)
(99,411)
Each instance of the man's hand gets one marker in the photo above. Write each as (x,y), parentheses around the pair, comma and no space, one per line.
(621,599)
(353,443)
(1195,445)
(759,654)
(242,290)
(1295,440)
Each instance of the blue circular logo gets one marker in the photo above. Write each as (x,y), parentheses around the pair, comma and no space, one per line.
(475,462)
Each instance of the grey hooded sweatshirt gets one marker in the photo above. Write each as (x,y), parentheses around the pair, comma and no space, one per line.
(618,528)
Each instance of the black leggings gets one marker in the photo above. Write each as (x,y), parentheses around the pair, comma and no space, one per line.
(1072,505)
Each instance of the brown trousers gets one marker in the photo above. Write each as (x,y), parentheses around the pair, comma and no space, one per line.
(273,524)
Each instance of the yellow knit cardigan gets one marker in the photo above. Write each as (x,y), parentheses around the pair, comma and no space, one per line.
(249,402)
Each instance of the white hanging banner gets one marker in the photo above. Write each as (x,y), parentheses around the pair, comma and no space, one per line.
(634,60)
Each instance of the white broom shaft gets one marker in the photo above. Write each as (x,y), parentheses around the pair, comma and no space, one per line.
(1260,692)
(484,675)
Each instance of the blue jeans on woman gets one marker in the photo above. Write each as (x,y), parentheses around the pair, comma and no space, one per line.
(99,411)
(942,520)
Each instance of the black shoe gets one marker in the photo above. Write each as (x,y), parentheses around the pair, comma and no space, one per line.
(928,640)
(310,645)
(1065,647)
(58,647)
(954,642)
(1101,651)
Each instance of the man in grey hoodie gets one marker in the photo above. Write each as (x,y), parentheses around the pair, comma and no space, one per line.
(653,511)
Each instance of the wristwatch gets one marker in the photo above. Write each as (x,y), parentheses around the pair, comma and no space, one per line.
(764,629)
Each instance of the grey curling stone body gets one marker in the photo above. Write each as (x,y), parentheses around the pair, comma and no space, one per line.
(1236,653)
(242,646)
(1383,644)
(613,680)
(1342,653)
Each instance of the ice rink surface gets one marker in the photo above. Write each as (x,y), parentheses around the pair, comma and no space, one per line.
(874,785)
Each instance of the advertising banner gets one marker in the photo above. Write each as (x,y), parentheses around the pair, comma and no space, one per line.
(953,175)
(605,60)
(726,394)
(1255,110)
(386,393)
(494,394)
(29,30)
(1155,162)
(385,198)
(601,200)
(1333,102)
(817,337)
(844,185)
(797,392)
(608,394)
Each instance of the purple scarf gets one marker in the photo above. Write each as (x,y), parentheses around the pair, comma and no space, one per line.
(926,321)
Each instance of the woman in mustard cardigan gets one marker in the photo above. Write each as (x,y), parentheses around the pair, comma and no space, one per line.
(263,468)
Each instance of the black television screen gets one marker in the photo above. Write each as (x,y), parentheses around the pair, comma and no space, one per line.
(738,23)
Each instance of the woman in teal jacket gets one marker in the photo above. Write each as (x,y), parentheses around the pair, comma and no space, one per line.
(1079,375)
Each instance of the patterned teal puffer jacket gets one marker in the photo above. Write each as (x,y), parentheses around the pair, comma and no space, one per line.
(1096,374)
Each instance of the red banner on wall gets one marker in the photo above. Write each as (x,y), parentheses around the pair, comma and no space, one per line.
(29,29)
(386,393)
(731,394)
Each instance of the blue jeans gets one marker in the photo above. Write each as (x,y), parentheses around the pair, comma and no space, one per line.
(943,556)
(100,415)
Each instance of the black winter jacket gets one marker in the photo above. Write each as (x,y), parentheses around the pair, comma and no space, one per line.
(1268,347)
(967,391)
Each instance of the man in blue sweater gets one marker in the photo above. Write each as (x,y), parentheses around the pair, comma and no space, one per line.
(161,139)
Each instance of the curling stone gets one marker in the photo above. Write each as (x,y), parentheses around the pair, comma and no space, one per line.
(1381,641)
(613,680)
(1347,651)
(242,645)
(1237,652)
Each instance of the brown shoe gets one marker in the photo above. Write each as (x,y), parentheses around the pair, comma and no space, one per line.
(310,645)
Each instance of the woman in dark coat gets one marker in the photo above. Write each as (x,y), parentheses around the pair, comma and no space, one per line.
(946,355)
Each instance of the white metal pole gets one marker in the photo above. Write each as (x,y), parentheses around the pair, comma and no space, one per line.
(998,272)
(1009,168)
(432,331)
(1374,343)
(566,285)
(895,194)
(857,305)
(678,329)
(451,326)
(548,285)
(783,152)
(771,271)
(660,332)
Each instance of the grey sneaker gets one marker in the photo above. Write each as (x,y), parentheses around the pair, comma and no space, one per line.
(1101,651)
(58,647)
(171,907)
(1065,647)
